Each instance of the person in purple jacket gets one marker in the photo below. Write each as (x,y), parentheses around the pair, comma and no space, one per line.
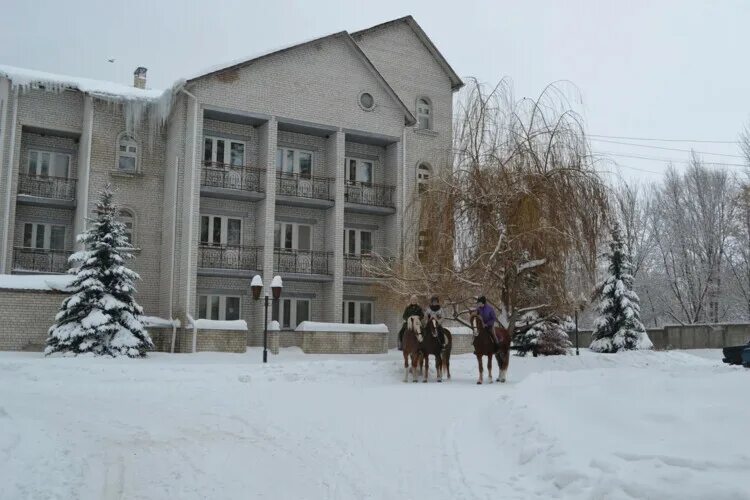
(488,315)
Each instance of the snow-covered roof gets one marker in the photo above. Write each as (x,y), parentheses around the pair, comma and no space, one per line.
(155,322)
(314,326)
(27,78)
(213,324)
(46,282)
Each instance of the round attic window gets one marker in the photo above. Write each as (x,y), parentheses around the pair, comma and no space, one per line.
(366,101)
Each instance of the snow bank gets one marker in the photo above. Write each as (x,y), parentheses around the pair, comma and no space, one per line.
(58,282)
(212,324)
(460,330)
(273,326)
(155,321)
(314,326)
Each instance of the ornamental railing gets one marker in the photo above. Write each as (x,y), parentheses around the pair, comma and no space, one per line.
(319,188)
(230,257)
(222,175)
(302,261)
(43,260)
(58,188)
(376,195)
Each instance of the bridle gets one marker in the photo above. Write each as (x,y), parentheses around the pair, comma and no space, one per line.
(474,327)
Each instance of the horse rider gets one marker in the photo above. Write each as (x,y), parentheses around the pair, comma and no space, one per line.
(435,311)
(488,316)
(413,309)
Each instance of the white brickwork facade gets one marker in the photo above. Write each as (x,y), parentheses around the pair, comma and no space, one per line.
(214,163)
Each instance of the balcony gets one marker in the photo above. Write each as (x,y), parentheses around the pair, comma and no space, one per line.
(303,191)
(230,259)
(49,191)
(40,260)
(302,262)
(357,267)
(220,180)
(366,197)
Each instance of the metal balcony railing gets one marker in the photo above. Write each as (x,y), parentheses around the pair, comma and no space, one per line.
(319,188)
(302,261)
(43,260)
(58,188)
(222,175)
(239,258)
(376,195)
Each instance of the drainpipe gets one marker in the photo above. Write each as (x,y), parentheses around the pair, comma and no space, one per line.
(171,268)
(403,189)
(9,181)
(191,205)
(195,332)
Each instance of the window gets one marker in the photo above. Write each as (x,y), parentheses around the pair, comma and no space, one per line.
(423,177)
(218,307)
(127,153)
(366,101)
(219,151)
(126,217)
(48,164)
(357,311)
(290,312)
(359,171)
(294,162)
(357,242)
(424,113)
(220,230)
(423,245)
(43,236)
(292,236)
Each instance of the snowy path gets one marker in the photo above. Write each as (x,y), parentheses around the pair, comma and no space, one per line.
(640,425)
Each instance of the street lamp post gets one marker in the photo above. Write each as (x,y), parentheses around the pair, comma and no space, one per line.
(577,353)
(257,286)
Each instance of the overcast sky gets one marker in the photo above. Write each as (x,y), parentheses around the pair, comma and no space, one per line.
(645,69)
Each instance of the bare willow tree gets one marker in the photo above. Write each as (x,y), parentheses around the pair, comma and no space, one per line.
(520,203)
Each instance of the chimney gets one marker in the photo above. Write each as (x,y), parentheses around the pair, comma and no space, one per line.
(139,77)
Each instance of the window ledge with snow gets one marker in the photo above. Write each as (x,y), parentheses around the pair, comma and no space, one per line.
(314,326)
(426,132)
(213,324)
(45,282)
(125,174)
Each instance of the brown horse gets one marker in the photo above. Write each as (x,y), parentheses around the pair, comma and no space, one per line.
(485,346)
(431,346)
(445,354)
(411,347)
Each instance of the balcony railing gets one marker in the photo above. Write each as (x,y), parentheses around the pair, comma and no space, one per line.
(301,261)
(319,188)
(58,188)
(222,175)
(376,195)
(239,258)
(41,260)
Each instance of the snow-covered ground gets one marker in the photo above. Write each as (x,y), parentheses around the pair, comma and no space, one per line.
(214,426)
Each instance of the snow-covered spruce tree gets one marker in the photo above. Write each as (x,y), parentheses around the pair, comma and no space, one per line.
(101,315)
(547,336)
(618,325)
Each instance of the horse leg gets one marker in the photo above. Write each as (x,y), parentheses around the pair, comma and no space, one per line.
(504,362)
(448,365)
(406,366)
(479,362)
(414,367)
(489,368)
(439,367)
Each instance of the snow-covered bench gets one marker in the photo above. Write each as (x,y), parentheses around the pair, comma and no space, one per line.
(342,338)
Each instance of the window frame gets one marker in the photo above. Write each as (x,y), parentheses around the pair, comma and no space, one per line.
(357,304)
(46,237)
(52,155)
(131,215)
(223,230)
(282,152)
(419,113)
(348,170)
(279,308)
(424,174)
(130,141)
(227,151)
(222,306)
(357,241)
(295,236)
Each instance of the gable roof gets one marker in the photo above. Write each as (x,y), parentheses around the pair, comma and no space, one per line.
(409,118)
(456,82)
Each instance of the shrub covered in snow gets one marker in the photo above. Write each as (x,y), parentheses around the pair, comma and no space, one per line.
(618,325)
(547,336)
(101,316)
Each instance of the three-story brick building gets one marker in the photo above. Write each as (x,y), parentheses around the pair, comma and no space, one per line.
(300,162)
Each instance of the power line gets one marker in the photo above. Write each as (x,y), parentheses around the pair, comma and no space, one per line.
(661,140)
(671,160)
(669,149)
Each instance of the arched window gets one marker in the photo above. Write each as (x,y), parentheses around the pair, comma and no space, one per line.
(127,153)
(423,177)
(424,113)
(127,218)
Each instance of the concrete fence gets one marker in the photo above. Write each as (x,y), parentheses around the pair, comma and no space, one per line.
(714,336)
